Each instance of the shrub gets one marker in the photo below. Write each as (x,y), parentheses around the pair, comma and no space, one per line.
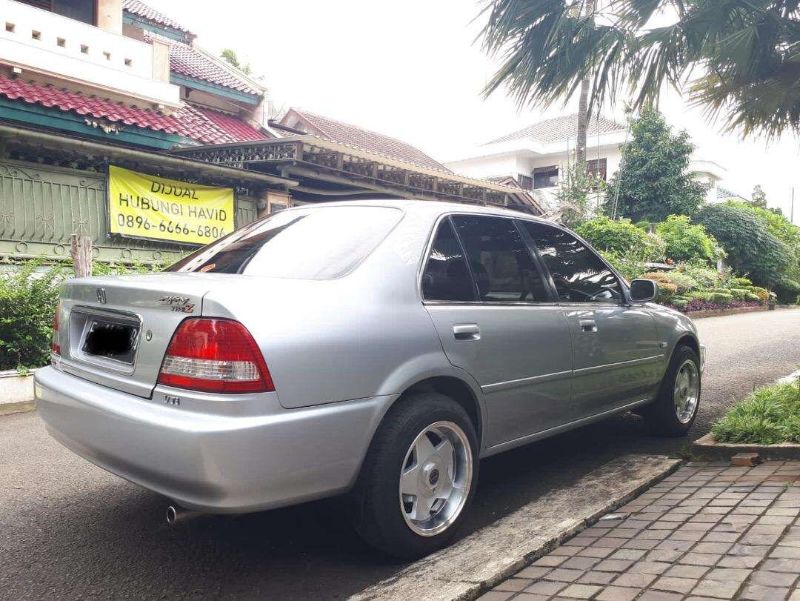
(751,248)
(705,276)
(741,282)
(683,282)
(631,264)
(679,303)
(770,415)
(787,290)
(619,237)
(739,293)
(751,297)
(761,293)
(721,298)
(685,241)
(27,301)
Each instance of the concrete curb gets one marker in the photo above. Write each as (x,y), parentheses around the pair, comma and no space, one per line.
(16,392)
(488,556)
(12,408)
(709,449)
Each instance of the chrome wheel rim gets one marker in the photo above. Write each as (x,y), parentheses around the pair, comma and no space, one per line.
(687,391)
(435,478)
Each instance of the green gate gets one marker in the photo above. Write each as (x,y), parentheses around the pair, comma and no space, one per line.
(41,206)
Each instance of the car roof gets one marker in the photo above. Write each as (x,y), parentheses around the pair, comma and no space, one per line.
(429,207)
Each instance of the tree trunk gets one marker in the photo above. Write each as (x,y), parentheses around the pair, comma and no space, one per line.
(584,110)
(81,252)
(584,114)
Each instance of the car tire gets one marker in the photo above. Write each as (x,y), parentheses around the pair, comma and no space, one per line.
(426,445)
(675,409)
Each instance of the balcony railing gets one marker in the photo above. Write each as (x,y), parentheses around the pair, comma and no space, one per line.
(45,42)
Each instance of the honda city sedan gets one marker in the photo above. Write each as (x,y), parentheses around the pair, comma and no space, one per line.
(378,349)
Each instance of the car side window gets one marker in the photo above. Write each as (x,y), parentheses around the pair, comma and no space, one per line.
(446,277)
(578,274)
(500,262)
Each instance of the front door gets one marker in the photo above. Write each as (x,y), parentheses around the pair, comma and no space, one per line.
(497,320)
(616,348)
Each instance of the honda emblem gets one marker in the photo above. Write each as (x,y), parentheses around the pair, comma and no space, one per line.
(101,296)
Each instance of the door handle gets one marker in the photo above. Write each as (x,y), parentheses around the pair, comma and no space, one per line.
(588,325)
(467,331)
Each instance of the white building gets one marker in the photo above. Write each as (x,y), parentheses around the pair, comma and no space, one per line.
(538,156)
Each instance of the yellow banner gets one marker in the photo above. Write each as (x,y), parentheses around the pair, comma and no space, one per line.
(145,206)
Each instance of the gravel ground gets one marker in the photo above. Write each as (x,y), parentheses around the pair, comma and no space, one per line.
(69,530)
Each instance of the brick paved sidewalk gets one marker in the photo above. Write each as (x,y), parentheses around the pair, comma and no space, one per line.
(707,532)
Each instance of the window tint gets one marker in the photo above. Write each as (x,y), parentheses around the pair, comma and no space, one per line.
(312,244)
(579,275)
(446,276)
(500,262)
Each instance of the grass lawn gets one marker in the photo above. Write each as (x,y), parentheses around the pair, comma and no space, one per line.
(770,415)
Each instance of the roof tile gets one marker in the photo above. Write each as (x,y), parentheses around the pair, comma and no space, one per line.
(370,141)
(147,12)
(202,125)
(559,129)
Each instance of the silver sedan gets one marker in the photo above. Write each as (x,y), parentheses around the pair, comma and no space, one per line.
(379,349)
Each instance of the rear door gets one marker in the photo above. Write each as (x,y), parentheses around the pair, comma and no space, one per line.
(616,347)
(497,320)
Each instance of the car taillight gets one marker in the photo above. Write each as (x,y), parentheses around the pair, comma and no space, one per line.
(55,340)
(214,355)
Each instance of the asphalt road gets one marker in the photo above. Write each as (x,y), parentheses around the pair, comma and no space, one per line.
(68,530)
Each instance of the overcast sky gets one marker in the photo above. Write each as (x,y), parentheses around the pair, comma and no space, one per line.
(413,70)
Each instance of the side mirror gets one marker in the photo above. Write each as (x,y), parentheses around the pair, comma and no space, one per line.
(643,290)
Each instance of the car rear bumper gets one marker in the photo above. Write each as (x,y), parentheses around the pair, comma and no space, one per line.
(214,463)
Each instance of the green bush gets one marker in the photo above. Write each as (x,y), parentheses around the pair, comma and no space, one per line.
(770,415)
(741,282)
(722,298)
(28,298)
(620,237)
(685,241)
(705,276)
(787,290)
(750,296)
(739,293)
(679,302)
(751,248)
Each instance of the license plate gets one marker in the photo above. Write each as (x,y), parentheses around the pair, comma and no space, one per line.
(111,340)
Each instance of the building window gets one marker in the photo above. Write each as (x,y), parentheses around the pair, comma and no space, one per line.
(525,181)
(545,177)
(80,10)
(597,169)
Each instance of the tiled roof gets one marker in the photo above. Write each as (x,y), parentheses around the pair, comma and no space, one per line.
(363,139)
(202,125)
(143,10)
(192,62)
(559,129)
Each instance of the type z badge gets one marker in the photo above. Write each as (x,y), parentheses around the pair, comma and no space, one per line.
(179,304)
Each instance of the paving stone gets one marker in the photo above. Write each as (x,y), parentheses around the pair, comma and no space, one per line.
(717,588)
(784,579)
(649,567)
(782,552)
(532,572)
(728,574)
(579,563)
(739,561)
(628,554)
(495,595)
(545,587)
(700,559)
(660,596)
(564,575)
(634,580)
(613,565)
(549,561)
(681,571)
(676,585)
(618,593)
(592,577)
(514,584)
(523,596)
(756,592)
(579,591)
(599,552)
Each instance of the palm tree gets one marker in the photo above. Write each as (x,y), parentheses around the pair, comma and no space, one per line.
(739,58)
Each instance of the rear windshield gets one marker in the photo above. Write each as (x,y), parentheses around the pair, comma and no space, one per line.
(308,244)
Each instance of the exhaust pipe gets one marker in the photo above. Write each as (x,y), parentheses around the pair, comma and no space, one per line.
(177,514)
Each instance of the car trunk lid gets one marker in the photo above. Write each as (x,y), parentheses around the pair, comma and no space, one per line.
(114,330)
